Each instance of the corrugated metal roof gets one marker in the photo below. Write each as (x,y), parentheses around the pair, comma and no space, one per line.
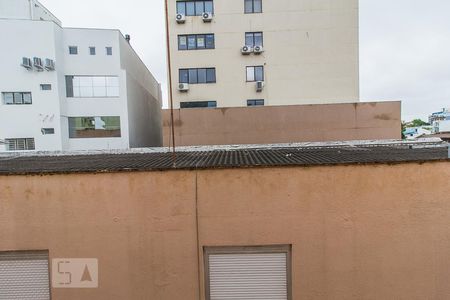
(222,157)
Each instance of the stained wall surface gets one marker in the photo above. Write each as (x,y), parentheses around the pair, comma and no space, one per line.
(284,124)
(357,232)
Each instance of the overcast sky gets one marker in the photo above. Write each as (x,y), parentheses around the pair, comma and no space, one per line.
(404,44)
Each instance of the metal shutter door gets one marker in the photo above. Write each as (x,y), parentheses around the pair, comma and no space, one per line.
(24,275)
(248,276)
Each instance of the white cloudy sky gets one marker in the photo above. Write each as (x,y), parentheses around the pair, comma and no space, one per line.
(404,55)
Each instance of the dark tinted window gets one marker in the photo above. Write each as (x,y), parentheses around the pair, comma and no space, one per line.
(255,102)
(73,50)
(252,6)
(197,76)
(259,73)
(190,8)
(198,104)
(196,41)
(193,76)
(92,50)
(184,76)
(181,8)
(194,8)
(211,75)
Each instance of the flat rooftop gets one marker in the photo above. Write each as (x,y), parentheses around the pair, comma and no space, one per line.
(220,157)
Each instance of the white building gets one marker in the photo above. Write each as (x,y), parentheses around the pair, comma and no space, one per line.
(72,88)
(233,53)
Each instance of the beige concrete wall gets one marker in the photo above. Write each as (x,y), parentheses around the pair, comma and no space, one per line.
(284,124)
(311,52)
(357,232)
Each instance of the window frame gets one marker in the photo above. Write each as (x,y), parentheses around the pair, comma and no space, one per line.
(42,85)
(109,89)
(195,3)
(74,130)
(22,97)
(189,70)
(253,7)
(196,38)
(261,249)
(254,73)
(255,102)
(73,48)
(27,142)
(209,104)
(253,38)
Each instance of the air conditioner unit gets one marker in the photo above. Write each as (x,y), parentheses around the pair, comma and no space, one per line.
(258,49)
(246,50)
(259,86)
(49,65)
(26,63)
(180,18)
(207,17)
(37,62)
(183,87)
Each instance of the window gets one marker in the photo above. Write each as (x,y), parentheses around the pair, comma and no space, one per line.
(19,144)
(255,73)
(17,98)
(196,41)
(194,8)
(46,87)
(255,102)
(92,86)
(109,51)
(253,6)
(253,39)
(198,104)
(196,76)
(46,131)
(73,50)
(94,127)
(92,50)
(24,275)
(248,272)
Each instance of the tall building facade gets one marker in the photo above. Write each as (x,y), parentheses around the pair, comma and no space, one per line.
(72,88)
(232,53)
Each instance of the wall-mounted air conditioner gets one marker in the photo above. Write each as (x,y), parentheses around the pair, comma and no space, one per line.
(26,63)
(259,86)
(183,87)
(207,17)
(246,50)
(37,62)
(49,65)
(180,18)
(258,49)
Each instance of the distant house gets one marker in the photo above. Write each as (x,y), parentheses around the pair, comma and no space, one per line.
(416,132)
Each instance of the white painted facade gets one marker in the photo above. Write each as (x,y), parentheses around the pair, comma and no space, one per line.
(32,31)
(311,52)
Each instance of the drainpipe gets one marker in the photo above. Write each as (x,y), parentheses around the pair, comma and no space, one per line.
(31,9)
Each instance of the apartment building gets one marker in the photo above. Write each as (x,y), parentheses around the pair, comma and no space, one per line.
(72,88)
(234,53)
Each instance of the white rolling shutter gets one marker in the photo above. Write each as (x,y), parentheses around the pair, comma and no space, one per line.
(24,275)
(261,276)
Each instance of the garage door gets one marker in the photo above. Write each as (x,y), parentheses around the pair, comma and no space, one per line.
(24,275)
(262,276)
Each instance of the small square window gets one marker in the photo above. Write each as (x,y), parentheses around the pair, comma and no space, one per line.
(46,87)
(109,51)
(46,131)
(92,50)
(73,50)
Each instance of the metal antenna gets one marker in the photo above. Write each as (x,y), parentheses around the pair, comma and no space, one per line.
(169,65)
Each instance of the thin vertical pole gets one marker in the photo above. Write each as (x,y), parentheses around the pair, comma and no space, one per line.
(169,65)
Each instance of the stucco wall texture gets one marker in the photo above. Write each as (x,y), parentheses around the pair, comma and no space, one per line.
(284,124)
(357,232)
